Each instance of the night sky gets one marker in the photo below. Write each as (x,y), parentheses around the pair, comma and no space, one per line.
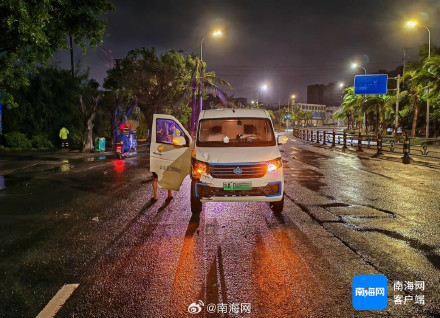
(286,44)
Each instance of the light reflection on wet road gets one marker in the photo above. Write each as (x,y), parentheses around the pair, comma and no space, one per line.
(343,216)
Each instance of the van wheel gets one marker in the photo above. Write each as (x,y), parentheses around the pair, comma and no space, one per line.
(196,205)
(277,207)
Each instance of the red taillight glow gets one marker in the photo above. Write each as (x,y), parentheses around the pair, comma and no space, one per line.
(119,165)
(274,164)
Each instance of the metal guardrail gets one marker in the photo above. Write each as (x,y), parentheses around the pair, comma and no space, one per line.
(421,147)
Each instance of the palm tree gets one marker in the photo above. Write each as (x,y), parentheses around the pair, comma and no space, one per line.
(429,76)
(414,80)
(351,106)
(204,83)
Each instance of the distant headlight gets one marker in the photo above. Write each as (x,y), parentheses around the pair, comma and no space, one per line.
(274,164)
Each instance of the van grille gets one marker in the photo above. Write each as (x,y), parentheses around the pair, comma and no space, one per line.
(242,171)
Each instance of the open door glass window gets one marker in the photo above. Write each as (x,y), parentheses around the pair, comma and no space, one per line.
(170,151)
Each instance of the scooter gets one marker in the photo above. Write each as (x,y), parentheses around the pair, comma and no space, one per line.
(126,142)
(118,149)
(122,147)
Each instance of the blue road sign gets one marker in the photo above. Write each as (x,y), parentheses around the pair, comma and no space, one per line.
(374,84)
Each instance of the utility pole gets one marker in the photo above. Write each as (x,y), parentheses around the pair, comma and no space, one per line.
(396,122)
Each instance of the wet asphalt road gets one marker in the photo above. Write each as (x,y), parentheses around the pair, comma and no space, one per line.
(92,223)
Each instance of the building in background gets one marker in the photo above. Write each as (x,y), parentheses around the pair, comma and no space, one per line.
(330,94)
(317,114)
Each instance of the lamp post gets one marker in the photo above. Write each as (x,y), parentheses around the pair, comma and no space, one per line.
(197,86)
(214,34)
(262,88)
(412,24)
(291,98)
(355,65)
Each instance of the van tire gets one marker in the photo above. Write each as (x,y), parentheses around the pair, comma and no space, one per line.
(196,204)
(277,206)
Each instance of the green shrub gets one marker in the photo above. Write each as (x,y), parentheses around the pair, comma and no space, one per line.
(17,140)
(76,140)
(41,141)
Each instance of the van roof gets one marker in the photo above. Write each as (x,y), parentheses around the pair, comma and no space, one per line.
(229,112)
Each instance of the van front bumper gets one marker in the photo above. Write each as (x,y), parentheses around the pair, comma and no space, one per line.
(271,192)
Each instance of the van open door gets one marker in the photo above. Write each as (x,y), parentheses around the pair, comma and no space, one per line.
(170,151)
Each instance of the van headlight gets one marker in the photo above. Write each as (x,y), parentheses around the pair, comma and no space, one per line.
(198,168)
(274,164)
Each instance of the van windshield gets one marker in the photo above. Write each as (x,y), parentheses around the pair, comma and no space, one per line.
(235,132)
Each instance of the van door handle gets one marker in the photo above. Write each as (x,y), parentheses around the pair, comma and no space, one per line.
(157,153)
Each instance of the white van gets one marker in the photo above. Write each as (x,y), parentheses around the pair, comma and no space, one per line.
(234,157)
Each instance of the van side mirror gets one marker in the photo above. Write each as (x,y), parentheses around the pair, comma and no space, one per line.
(282,139)
(179,141)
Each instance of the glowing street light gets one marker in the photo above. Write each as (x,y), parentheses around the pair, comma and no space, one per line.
(413,24)
(293,99)
(356,65)
(195,111)
(215,34)
(261,88)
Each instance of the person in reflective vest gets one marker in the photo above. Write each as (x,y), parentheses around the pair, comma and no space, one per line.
(63,136)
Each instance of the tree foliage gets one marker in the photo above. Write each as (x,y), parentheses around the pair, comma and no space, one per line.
(50,100)
(32,31)
(158,81)
(420,82)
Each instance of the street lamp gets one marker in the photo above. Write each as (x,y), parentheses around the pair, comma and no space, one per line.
(195,112)
(412,24)
(214,34)
(356,65)
(262,88)
(292,98)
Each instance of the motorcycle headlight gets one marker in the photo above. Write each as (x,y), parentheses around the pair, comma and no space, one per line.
(274,164)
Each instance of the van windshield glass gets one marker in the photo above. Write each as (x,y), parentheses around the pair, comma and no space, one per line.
(235,132)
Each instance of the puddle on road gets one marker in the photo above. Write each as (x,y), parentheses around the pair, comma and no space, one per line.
(52,165)
(98,158)
(311,179)
(308,157)
(427,250)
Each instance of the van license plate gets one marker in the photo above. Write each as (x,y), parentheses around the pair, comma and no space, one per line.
(236,186)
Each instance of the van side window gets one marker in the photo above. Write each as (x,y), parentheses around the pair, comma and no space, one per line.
(166,129)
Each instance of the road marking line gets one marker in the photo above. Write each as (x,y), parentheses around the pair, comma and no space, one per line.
(57,301)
